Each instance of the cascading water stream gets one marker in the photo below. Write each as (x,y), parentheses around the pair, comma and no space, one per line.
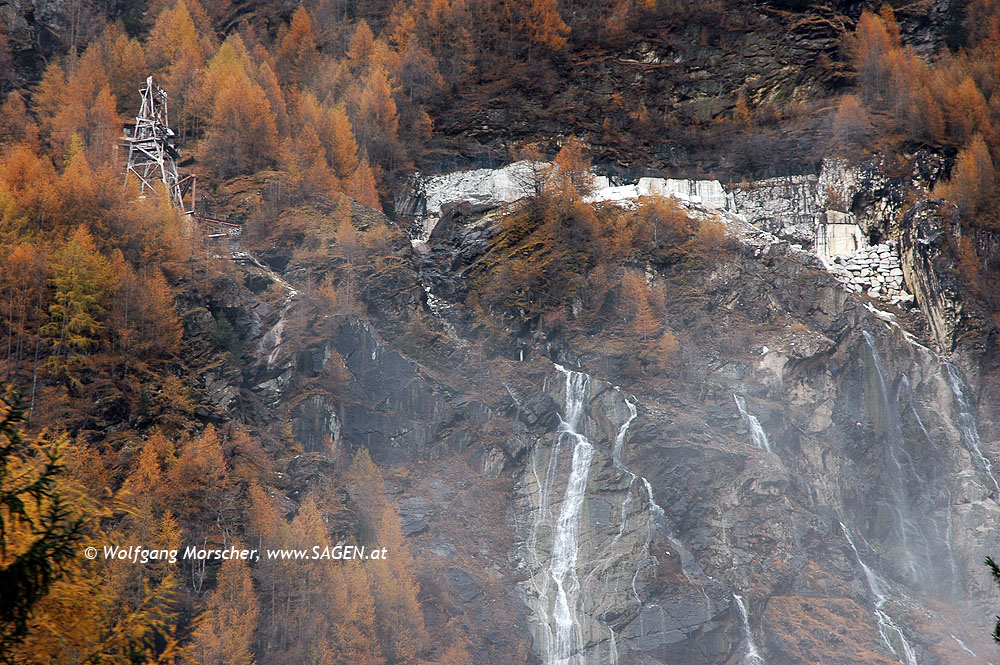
(967,421)
(757,433)
(905,387)
(888,417)
(560,592)
(968,650)
(876,587)
(962,644)
(752,655)
(439,308)
(692,571)
(904,395)
(656,522)
(616,458)
(616,453)
(658,519)
(562,635)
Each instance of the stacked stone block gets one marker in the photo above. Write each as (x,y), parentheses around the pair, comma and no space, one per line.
(874,270)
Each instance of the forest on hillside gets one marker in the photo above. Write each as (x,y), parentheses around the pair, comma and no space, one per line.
(106,298)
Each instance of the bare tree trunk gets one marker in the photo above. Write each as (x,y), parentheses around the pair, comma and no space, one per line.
(34,382)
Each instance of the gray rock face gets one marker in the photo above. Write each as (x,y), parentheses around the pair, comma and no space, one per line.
(413,512)
(395,412)
(466,587)
(399,414)
(789,207)
(619,584)
(316,426)
(867,430)
(792,207)
(930,268)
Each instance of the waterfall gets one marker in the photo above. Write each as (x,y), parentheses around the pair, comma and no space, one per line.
(616,458)
(757,433)
(564,602)
(904,395)
(616,454)
(876,587)
(888,425)
(563,639)
(752,656)
(692,571)
(904,386)
(962,644)
(967,421)
(439,310)
(968,650)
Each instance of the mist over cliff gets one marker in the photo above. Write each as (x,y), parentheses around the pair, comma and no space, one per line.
(514,331)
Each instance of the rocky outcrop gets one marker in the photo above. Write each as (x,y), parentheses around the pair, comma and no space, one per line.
(930,268)
(393,410)
(790,208)
(607,576)
(433,202)
(424,197)
(315,425)
(808,211)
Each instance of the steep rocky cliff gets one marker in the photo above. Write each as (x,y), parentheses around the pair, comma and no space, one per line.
(807,482)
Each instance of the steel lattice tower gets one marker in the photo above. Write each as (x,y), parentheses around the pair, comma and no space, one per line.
(151,152)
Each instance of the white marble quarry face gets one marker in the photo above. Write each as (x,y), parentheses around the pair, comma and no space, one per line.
(839,236)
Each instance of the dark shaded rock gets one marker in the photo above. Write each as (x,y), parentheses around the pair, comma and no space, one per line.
(244,312)
(443,549)
(312,360)
(441,492)
(275,260)
(413,525)
(413,514)
(222,388)
(466,587)
(306,469)
(198,322)
(396,414)
(257,283)
(454,215)
(489,460)
(315,424)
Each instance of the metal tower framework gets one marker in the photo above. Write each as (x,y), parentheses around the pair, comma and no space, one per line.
(152,155)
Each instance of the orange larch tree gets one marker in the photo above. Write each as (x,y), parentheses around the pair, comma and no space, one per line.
(297,55)
(973,180)
(78,101)
(242,133)
(543,26)
(870,47)
(362,186)
(226,635)
(342,153)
